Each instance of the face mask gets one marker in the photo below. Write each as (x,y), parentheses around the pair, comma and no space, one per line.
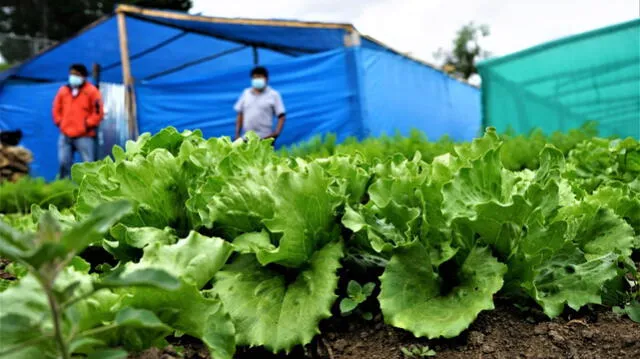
(75,81)
(258,83)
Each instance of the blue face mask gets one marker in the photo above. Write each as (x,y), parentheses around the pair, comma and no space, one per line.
(258,83)
(75,81)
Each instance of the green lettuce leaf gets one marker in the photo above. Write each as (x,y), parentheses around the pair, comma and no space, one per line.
(236,193)
(235,205)
(632,310)
(385,228)
(136,330)
(275,307)
(168,139)
(156,185)
(194,260)
(470,152)
(568,278)
(598,230)
(303,218)
(621,200)
(412,295)
(485,181)
(129,241)
(350,172)
(403,207)
(188,311)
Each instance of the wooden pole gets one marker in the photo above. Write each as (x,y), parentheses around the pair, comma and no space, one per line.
(135,10)
(95,73)
(127,79)
(352,38)
(256,58)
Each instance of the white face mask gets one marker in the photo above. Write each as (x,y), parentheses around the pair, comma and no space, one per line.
(75,81)
(258,83)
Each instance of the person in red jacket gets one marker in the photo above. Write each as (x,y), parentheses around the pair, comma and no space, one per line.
(77,112)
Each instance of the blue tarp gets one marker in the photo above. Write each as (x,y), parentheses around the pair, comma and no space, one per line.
(401,95)
(188,74)
(314,89)
(28,108)
(155,48)
(297,40)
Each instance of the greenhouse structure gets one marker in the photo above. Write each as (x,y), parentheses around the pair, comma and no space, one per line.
(594,76)
(187,71)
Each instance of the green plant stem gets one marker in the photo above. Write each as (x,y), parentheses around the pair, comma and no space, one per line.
(55,313)
(95,331)
(75,300)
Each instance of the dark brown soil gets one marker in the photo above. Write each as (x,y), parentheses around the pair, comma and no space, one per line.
(502,333)
(3,274)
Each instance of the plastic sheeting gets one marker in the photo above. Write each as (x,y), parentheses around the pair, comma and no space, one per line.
(114,129)
(165,49)
(291,39)
(315,90)
(561,84)
(401,94)
(155,48)
(28,108)
(243,57)
(188,74)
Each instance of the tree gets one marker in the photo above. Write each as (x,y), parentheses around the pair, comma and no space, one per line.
(59,20)
(461,61)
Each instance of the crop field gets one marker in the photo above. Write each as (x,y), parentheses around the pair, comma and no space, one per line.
(387,248)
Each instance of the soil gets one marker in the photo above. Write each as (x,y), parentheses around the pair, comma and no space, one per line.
(506,333)
(3,274)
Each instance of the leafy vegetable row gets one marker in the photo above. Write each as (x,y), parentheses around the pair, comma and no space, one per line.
(20,196)
(264,237)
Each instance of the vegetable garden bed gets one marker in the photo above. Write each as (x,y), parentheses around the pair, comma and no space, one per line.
(183,240)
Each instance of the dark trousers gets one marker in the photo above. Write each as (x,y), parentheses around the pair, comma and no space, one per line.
(68,146)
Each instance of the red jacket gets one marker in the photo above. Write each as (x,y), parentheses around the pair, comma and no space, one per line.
(78,116)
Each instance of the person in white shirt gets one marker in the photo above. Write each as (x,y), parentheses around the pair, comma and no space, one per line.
(258,106)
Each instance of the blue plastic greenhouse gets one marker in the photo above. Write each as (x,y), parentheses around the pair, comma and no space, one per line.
(187,71)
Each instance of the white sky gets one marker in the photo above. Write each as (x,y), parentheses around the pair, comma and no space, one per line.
(420,27)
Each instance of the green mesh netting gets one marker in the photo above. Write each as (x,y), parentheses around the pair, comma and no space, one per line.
(561,84)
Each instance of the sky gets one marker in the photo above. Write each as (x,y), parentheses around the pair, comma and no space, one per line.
(421,27)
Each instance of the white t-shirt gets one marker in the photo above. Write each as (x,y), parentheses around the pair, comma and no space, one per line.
(259,109)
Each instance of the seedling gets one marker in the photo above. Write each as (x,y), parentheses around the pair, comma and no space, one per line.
(418,351)
(356,295)
(57,278)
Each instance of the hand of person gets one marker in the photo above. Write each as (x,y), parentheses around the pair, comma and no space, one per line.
(274,135)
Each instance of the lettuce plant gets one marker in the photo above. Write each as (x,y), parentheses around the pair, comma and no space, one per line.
(235,245)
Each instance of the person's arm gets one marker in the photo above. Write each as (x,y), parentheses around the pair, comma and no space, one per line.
(97,111)
(238,107)
(279,126)
(239,122)
(280,112)
(57,109)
